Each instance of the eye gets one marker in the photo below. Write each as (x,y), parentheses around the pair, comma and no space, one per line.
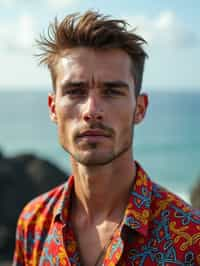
(113,92)
(75,91)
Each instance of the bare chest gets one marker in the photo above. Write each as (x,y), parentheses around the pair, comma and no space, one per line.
(93,244)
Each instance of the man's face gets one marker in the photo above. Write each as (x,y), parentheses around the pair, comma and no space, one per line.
(95,104)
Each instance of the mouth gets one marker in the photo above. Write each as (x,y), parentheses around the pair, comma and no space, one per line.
(93,135)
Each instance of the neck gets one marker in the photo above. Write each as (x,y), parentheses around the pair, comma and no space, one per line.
(99,189)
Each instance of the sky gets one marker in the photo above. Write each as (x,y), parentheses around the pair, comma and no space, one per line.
(171,28)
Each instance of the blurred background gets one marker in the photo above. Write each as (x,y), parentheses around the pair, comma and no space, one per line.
(167,143)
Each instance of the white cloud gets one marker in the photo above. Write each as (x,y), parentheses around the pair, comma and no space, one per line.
(165,20)
(61,3)
(26,28)
(22,71)
(165,29)
(7,3)
(17,37)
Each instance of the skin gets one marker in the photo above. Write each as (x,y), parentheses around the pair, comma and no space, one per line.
(95,109)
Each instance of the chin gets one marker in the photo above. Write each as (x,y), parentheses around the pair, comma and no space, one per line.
(95,156)
(93,159)
(94,162)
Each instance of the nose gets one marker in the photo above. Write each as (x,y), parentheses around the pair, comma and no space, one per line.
(93,108)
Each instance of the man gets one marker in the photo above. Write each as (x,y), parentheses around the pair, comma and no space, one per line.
(109,211)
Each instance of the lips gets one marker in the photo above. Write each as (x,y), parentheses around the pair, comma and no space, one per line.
(94,133)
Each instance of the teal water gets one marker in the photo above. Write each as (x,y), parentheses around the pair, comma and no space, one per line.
(167,143)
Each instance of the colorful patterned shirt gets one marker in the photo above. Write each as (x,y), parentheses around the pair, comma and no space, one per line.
(158,229)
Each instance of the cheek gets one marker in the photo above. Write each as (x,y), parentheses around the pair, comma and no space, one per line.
(66,111)
(66,120)
(125,117)
(124,125)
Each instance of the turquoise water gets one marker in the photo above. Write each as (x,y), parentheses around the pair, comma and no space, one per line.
(167,143)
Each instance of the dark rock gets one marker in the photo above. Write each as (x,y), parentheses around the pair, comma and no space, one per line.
(195,195)
(1,154)
(21,179)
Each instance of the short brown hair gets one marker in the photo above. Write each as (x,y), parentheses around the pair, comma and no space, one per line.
(94,30)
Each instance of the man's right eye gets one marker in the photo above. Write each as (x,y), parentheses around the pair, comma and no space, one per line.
(75,92)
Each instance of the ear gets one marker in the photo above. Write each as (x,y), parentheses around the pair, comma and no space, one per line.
(141,108)
(52,107)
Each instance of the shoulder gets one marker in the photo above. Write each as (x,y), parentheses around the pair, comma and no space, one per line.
(35,222)
(164,200)
(41,206)
(176,219)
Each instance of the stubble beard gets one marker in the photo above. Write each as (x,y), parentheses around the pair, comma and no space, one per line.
(104,159)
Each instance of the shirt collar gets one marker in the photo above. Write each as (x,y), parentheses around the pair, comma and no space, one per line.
(138,209)
(62,208)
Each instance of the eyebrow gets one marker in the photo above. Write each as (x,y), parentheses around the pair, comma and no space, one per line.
(116,84)
(109,84)
(68,83)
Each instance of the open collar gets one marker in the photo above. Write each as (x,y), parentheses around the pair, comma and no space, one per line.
(62,208)
(137,211)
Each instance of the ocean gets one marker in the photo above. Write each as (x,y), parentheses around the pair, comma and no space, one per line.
(167,143)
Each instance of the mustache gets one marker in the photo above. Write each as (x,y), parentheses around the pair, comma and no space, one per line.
(95,125)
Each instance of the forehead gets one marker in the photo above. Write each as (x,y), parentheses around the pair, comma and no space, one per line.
(87,63)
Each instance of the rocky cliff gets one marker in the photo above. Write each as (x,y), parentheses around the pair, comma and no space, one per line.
(21,179)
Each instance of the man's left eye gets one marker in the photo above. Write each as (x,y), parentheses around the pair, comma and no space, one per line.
(111,92)
(76,91)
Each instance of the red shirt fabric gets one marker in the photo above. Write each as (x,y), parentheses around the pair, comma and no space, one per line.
(158,228)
